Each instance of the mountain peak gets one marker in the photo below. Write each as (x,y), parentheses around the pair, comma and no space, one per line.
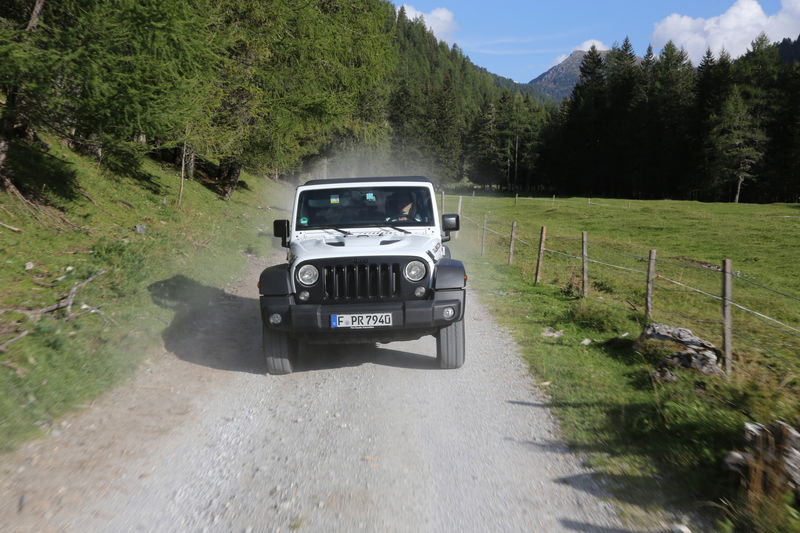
(559,80)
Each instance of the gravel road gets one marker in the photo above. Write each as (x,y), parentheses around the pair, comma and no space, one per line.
(359,438)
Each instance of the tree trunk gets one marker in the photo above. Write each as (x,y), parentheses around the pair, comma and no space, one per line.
(229,172)
(3,153)
(183,173)
(738,190)
(190,162)
(7,122)
(34,20)
(9,118)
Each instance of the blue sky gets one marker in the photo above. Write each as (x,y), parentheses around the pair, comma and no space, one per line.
(521,39)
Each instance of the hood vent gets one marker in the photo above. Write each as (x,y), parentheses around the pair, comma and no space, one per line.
(389,241)
(334,243)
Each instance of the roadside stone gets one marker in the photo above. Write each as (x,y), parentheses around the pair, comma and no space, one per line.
(664,374)
(140,228)
(774,447)
(550,332)
(698,354)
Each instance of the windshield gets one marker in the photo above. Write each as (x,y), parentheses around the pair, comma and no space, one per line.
(364,206)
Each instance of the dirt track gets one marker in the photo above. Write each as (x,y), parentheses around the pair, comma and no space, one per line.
(374,439)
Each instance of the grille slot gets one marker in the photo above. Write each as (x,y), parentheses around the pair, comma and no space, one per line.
(361,282)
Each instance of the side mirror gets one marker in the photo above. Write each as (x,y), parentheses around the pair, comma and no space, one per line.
(450,222)
(281,229)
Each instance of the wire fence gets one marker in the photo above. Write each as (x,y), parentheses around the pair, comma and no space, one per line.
(756,325)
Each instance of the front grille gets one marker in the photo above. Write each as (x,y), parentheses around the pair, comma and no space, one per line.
(361,282)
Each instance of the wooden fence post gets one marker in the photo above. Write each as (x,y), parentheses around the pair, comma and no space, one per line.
(459,212)
(442,206)
(511,245)
(727,317)
(651,275)
(554,200)
(585,256)
(516,199)
(540,255)
(483,237)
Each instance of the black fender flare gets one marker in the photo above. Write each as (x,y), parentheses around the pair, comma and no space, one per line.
(450,274)
(275,281)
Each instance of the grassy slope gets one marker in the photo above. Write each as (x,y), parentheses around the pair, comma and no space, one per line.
(63,363)
(658,445)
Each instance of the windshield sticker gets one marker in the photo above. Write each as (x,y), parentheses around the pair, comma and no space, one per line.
(370,197)
(334,198)
(304,221)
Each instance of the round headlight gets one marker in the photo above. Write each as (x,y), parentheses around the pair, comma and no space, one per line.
(308,275)
(415,271)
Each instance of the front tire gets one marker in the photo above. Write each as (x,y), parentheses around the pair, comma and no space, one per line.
(450,345)
(280,351)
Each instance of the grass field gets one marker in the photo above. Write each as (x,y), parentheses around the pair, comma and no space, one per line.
(659,445)
(84,223)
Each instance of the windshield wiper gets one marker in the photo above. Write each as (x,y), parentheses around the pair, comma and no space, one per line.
(397,228)
(340,230)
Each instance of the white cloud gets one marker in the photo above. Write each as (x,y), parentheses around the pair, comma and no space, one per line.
(585,45)
(441,21)
(733,30)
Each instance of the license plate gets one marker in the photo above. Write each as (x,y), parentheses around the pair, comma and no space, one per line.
(361,321)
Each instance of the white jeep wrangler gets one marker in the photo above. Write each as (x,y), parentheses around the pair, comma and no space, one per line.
(365,264)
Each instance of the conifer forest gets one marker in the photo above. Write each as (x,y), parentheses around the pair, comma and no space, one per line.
(336,87)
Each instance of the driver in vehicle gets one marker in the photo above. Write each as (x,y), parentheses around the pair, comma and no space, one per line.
(401,208)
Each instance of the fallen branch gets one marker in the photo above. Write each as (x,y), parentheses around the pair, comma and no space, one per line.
(74,290)
(88,310)
(5,345)
(87,196)
(32,315)
(65,302)
(12,228)
(18,370)
(9,186)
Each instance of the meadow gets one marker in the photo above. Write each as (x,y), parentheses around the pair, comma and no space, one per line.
(659,445)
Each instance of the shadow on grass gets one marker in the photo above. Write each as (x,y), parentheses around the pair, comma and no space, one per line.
(38,174)
(214,328)
(205,173)
(685,445)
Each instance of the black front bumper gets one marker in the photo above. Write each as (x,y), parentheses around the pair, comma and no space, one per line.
(411,319)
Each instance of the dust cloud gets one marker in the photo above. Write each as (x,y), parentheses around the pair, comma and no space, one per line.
(365,161)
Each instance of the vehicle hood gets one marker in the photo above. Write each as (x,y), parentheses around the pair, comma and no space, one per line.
(426,247)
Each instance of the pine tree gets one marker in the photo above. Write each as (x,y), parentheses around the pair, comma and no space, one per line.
(444,132)
(486,156)
(584,124)
(672,103)
(738,141)
(625,93)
